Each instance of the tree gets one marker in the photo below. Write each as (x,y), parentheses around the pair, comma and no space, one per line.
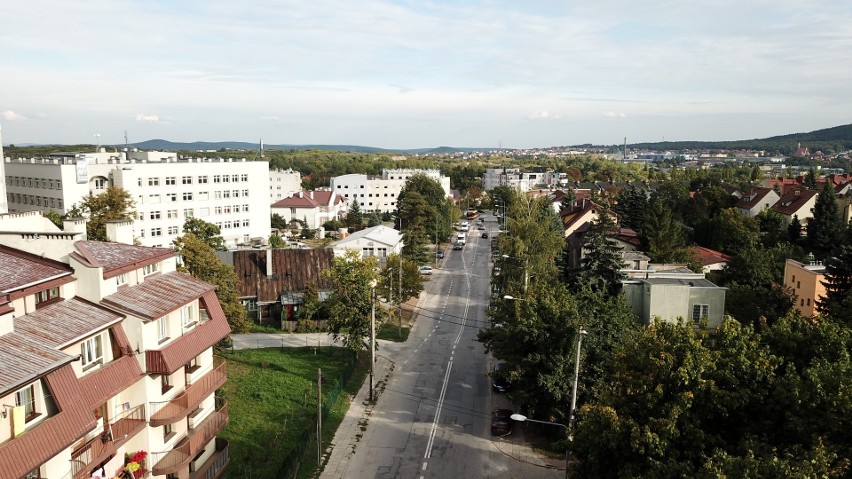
(734,231)
(374,220)
(388,286)
(771,224)
(567,200)
(662,237)
(54,218)
(794,230)
(200,260)
(354,218)
(838,285)
(277,222)
(631,205)
(601,266)
(350,303)
(276,241)
(310,303)
(209,233)
(112,204)
(825,229)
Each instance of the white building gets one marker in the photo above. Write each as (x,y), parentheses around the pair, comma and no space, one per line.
(512,177)
(380,194)
(283,183)
(314,207)
(4,206)
(167,190)
(378,241)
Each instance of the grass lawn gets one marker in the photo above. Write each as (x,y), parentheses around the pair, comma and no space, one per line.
(390,332)
(272,405)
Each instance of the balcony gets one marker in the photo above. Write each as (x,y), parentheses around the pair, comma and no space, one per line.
(171,462)
(127,425)
(215,464)
(168,412)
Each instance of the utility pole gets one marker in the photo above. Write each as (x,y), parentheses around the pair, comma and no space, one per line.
(399,298)
(372,336)
(319,415)
(571,418)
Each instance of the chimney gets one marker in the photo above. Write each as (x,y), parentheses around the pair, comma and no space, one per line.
(75,225)
(120,231)
(301,194)
(311,193)
(269,257)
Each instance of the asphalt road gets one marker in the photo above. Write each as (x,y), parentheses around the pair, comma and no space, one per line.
(432,419)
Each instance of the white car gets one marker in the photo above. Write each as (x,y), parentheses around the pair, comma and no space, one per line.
(425,270)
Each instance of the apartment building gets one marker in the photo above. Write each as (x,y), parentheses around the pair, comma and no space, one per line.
(106,352)
(805,281)
(166,190)
(283,184)
(379,194)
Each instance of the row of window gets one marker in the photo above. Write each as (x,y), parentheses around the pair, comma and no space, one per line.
(370,195)
(346,187)
(191,212)
(33,200)
(34,182)
(188,180)
(200,196)
(174,230)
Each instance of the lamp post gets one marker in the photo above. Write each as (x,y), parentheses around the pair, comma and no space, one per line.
(522,418)
(582,332)
(372,334)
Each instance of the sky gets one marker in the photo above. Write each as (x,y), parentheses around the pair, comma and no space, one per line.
(416,74)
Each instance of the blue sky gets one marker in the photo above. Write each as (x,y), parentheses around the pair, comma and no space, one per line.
(408,74)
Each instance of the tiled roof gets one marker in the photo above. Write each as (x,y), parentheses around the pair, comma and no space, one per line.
(793,201)
(292,270)
(158,296)
(707,256)
(23,358)
(19,269)
(61,324)
(753,197)
(117,258)
(303,199)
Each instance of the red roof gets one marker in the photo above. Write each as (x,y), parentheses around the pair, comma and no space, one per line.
(753,198)
(118,258)
(158,295)
(61,324)
(19,269)
(309,199)
(792,201)
(707,256)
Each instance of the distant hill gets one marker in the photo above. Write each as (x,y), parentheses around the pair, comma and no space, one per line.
(159,144)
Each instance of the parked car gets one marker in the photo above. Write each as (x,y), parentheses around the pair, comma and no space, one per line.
(485,234)
(425,270)
(439,254)
(458,246)
(498,382)
(501,422)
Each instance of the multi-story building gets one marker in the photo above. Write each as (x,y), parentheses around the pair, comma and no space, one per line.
(167,190)
(105,353)
(380,194)
(4,206)
(313,207)
(805,281)
(283,183)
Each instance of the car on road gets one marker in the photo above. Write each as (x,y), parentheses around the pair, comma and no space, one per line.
(485,234)
(425,270)
(501,422)
(458,246)
(498,381)
(439,254)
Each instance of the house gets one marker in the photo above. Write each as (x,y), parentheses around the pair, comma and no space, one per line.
(799,203)
(711,260)
(805,281)
(757,200)
(625,239)
(379,241)
(105,353)
(584,212)
(273,290)
(314,207)
(672,298)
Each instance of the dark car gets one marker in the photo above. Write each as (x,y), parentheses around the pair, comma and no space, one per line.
(439,254)
(501,422)
(498,382)
(484,234)
(458,246)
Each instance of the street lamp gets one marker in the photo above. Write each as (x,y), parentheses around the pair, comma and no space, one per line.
(582,332)
(512,298)
(372,333)
(522,418)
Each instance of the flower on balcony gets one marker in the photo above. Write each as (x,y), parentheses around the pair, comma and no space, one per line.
(134,466)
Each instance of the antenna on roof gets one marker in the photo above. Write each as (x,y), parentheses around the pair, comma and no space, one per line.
(125,139)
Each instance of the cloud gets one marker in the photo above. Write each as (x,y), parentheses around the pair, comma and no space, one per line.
(153,118)
(10,115)
(612,114)
(270,118)
(543,115)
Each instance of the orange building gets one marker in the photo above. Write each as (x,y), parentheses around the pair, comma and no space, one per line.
(805,280)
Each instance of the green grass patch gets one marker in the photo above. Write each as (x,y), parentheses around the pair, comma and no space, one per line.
(272,406)
(390,331)
(265,328)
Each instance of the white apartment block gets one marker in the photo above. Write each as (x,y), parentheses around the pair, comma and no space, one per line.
(512,177)
(167,190)
(283,183)
(379,194)
(106,352)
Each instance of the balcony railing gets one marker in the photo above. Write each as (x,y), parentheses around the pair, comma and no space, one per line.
(122,429)
(170,462)
(215,464)
(168,412)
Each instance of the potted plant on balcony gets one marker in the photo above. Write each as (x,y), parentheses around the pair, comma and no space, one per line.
(134,466)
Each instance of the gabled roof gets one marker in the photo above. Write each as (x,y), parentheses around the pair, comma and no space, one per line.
(793,201)
(19,269)
(753,197)
(707,256)
(309,199)
(158,295)
(118,258)
(380,233)
(62,324)
(292,270)
(24,358)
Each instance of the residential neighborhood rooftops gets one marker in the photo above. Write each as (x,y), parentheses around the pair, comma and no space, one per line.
(380,233)
(691,282)
(792,201)
(752,198)
(707,256)
(19,269)
(158,296)
(64,323)
(24,357)
(117,258)
(309,199)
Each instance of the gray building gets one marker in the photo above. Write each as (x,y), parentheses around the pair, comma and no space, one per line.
(692,299)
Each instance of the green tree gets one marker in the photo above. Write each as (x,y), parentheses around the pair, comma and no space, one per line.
(310,303)
(631,205)
(601,266)
(733,231)
(662,236)
(350,303)
(54,218)
(209,233)
(568,200)
(771,224)
(794,230)
(200,260)
(276,241)
(825,229)
(113,204)
(277,222)
(675,196)
(354,217)
(838,285)
(388,286)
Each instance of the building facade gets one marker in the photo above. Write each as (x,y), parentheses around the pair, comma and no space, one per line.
(166,190)
(380,194)
(805,281)
(283,183)
(313,207)
(378,241)
(670,299)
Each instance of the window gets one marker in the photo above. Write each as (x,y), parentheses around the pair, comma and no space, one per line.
(153,182)
(121,279)
(100,183)
(26,397)
(163,328)
(226,194)
(245,208)
(217,195)
(245,193)
(217,210)
(187,180)
(170,180)
(202,180)
(227,225)
(168,433)
(226,178)
(187,319)
(155,215)
(165,383)
(150,268)
(235,178)
(217,178)
(171,214)
(226,209)
(246,223)
(171,197)
(245,178)
(46,295)
(188,213)
(187,196)
(699,312)
(798,284)
(156,232)
(172,230)
(92,352)
(204,212)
